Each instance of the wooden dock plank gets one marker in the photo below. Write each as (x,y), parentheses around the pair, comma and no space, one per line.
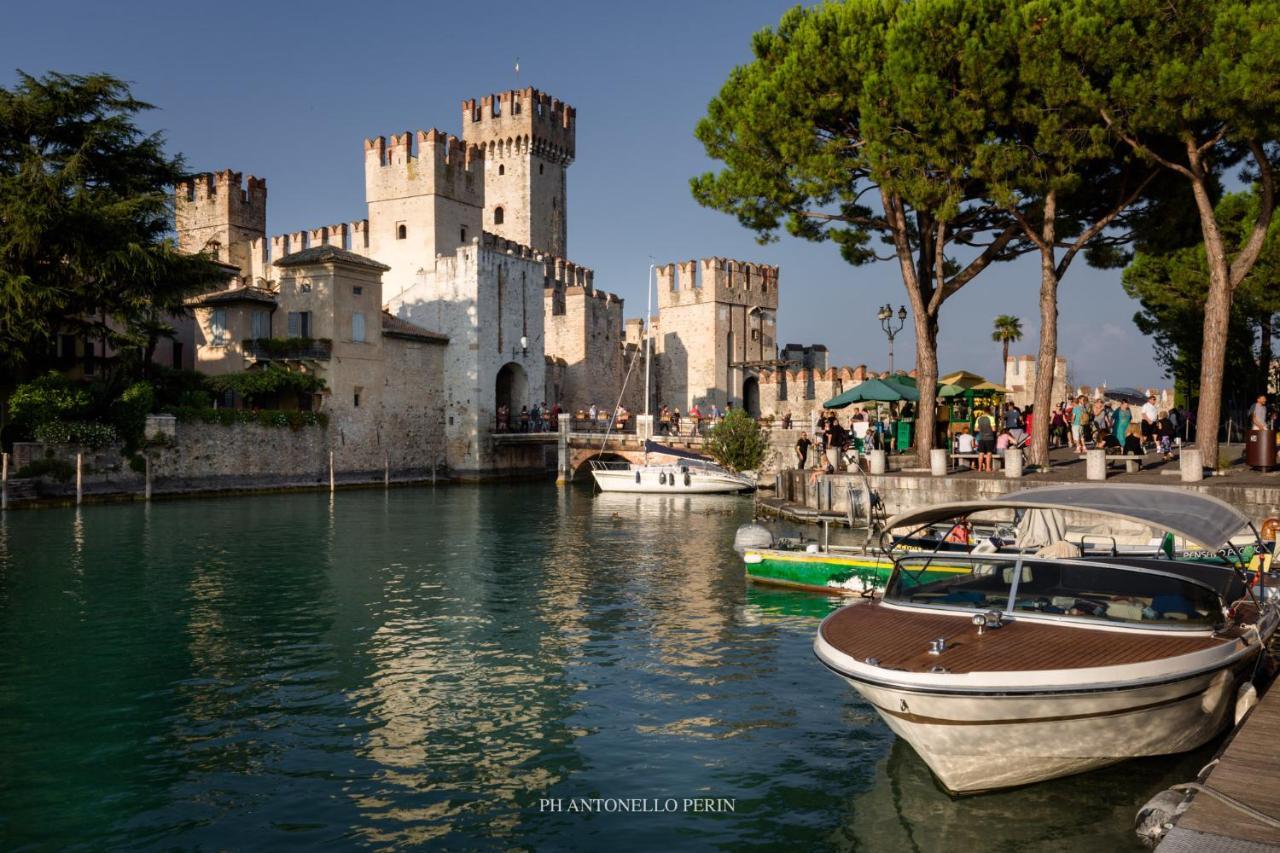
(1249,771)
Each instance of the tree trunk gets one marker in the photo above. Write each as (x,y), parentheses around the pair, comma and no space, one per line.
(926,328)
(1046,360)
(1217,318)
(1004,362)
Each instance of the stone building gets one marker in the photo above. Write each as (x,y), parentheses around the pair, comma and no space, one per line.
(1020,379)
(383,375)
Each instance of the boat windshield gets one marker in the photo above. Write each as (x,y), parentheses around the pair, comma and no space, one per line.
(1016,584)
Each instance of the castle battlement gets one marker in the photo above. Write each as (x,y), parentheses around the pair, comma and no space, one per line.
(718,280)
(352,236)
(428,162)
(225,184)
(522,116)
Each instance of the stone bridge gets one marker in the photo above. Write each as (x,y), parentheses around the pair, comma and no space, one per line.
(578,449)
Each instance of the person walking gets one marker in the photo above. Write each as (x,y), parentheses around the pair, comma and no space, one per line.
(1079,420)
(1258,413)
(802,450)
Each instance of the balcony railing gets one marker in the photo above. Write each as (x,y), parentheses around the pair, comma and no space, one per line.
(289,349)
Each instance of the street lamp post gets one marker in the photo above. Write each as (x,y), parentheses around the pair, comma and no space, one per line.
(885,315)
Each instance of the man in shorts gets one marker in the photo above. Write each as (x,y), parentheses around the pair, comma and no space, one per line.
(1150,414)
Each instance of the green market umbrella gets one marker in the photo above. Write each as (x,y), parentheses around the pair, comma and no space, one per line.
(872,391)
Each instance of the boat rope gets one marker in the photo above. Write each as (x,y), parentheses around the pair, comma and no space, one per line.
(1260,817)
(613,416)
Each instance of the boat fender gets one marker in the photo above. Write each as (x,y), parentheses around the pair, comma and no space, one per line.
(662,478)
(752,536)
(1246,698)
(1211,701)
(1157,816)
(637,476)
(686,477)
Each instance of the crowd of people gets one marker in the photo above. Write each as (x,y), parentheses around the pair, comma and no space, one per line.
(1119,427)
(694,422)
(833,442)
(540,418)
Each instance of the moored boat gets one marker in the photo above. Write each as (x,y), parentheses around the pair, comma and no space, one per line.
(1031,666)
(685,472)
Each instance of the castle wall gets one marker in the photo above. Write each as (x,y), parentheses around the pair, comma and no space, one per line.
(714,313)
(485,300)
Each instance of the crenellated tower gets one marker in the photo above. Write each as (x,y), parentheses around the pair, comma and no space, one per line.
(218,212)
(426,194)
(528,139)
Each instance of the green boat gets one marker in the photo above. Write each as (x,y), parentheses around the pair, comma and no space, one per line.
(850,572)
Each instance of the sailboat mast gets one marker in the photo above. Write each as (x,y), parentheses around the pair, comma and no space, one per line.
(648,335)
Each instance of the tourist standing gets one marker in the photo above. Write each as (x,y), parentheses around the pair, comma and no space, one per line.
(1258,413)
(1079,420)
(1124,417)
(1150,414)
(986,440)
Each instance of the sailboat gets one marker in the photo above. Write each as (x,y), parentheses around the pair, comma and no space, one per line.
(678,471)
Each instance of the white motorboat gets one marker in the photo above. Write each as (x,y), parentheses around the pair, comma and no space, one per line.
(685,473)
(1033,666)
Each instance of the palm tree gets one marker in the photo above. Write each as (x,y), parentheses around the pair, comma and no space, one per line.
(1005,330)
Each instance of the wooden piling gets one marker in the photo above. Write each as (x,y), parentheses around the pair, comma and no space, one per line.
(332,484)
(386,470)
(146,489)
(4,480)
(79,478)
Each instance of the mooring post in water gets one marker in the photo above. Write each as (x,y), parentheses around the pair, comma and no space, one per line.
(79,477)
(433,473)
(386,470)
(4,480)
(147,473)
(332,487)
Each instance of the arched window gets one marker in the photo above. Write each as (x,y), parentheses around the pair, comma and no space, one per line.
(502,169)
(497,216)
(402,231)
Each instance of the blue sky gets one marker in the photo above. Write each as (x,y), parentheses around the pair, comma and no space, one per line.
(288,91)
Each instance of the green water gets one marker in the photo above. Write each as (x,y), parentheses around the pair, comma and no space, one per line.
(424,667)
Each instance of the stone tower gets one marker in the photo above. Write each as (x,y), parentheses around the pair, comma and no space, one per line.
(528,142)
(215,211)
(425,193)
(717,317)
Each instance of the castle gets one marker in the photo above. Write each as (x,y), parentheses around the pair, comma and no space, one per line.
(468,237)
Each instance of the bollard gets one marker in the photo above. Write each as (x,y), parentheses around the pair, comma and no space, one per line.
(331,482)
(1095,464)
(79,477)
(879,461)
(4,480)
(146,488)
(1013,463)
(938,462)
(1191,463)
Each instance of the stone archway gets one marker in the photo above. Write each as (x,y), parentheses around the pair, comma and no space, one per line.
(751,396)
(511,389)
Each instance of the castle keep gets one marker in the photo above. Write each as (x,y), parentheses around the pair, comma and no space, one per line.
(463,248)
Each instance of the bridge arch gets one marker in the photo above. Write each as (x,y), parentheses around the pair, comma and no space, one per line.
(511,389)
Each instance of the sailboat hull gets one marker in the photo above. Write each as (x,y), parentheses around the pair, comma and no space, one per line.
(670,481)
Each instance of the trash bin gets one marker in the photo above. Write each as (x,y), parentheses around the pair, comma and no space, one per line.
(1260,449)
(904,436)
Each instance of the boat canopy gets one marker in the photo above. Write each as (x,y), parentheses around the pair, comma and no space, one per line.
(654,447)
(1199,518)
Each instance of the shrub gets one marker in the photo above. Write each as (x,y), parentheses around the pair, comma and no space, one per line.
(737,442)
(129,412)
(58,469)
(86,433)
(138,463)
(292,419)
(52,397)
(284,347)
(269,381)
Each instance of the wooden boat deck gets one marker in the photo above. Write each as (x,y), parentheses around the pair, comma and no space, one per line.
(900,640)
(1248,770)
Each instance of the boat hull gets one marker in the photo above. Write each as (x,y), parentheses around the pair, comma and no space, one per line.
(672,482)
(976,742)
(841,574)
